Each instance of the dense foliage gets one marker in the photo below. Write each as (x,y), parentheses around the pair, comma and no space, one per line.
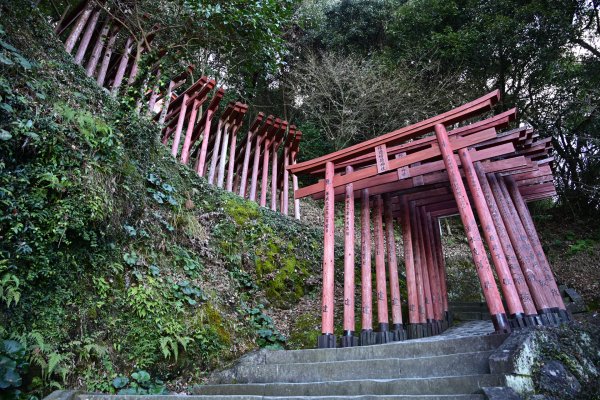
(542,55)
(120,269)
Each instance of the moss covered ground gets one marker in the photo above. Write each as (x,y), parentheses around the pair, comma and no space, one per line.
(114,258)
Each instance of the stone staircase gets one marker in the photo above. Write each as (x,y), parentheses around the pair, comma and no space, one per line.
(451,366)
(454,365)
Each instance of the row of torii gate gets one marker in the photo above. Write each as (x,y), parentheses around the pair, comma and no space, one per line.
(255,169)
(412,178)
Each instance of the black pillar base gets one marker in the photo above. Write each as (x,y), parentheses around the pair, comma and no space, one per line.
(531,320)
(549,317)
(449,317)
(384,335)
(428,329)
(415,331)
(517,321)
(565,315)
(501,324)
(444,324)
(349,340)
(398,332)
(326,341)
(367,337)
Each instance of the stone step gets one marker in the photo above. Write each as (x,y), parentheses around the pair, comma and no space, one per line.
(428,347)
(455,385)
(244,397)
(386,368)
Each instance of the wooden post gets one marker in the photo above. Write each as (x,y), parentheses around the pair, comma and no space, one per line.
(384,335)
(525,216)
(432,269)
(511,296)
(509,251)
(396,303)
(215,152)
(484,271)
(286,181)
(231,163)
(247,152)
(201,160)
(274,162)
(166,104)
(154,94)
(348,339)
(122,67)
(78,28)
(87,36)
(409,262)
(442,268)
(265,172)
(422,303)
(223,159)
(255,165)
(524,251)
(424,271)
(92,63)
(187,142)
(367,336)
(107,56)
(327,339)
(551,313)
(134,65)
(180,122)
(295,187)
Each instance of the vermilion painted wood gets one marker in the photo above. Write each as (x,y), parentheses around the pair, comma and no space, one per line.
(248,150)
(411,284)
(327,310)
(166,103)
(177,138)
(70,16)
(275,163)
(395,299)
(87,36)
(154,94)
(227,131)
(434,284)
(423,266)
(295,188)
(260,138)
(509,252)
(222,126)
(107,55)
(349,259)
(92,63)
(254,180)
(380,278)
(203,128)
(422,308)
(523,250)
(366,277)
(371,177)
(78,28)
(541,272)
(187,142)
(243,108)
(495,122)
(265,162)
(491,236)
(459,114)
(441,262)
(286,182)
(527,221)
(484,271)
(541,171)
(122,67)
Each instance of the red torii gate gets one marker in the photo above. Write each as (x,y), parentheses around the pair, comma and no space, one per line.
(418,182)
